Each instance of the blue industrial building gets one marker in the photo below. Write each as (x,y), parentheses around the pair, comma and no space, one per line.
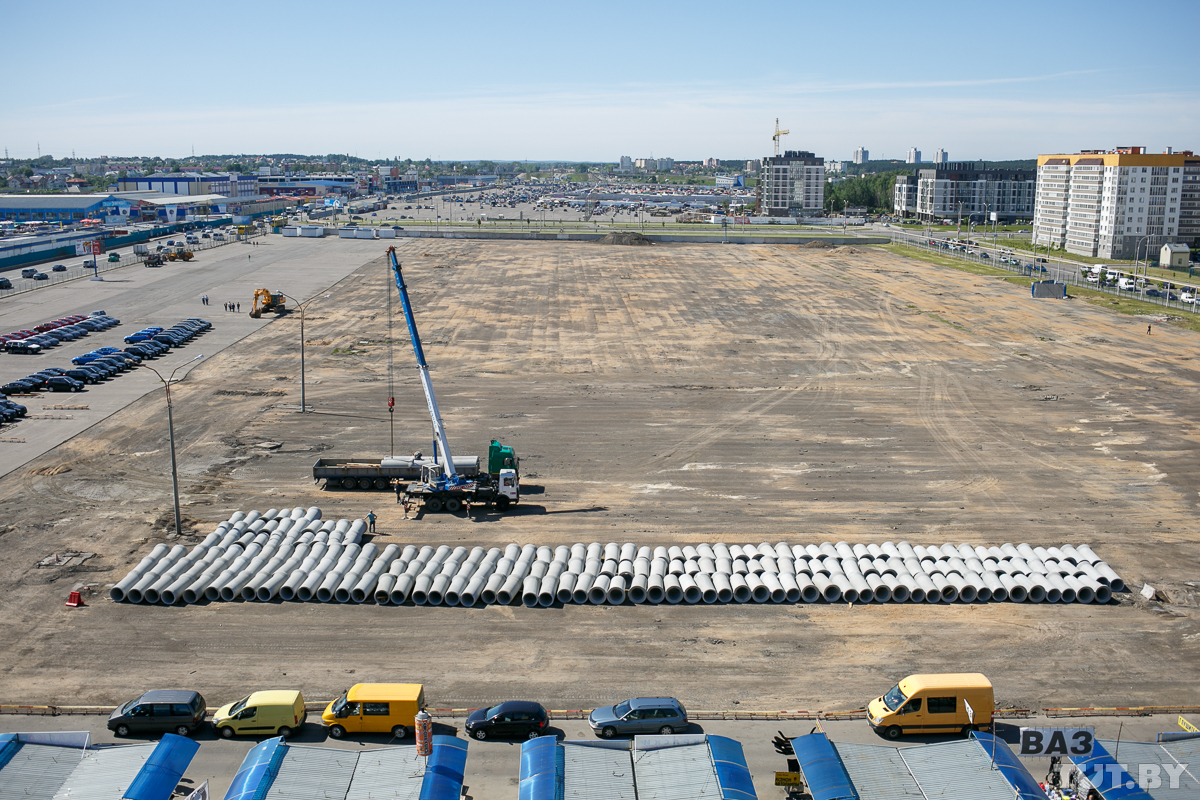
(65,209)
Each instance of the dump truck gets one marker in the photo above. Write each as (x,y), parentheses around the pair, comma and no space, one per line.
(266,301)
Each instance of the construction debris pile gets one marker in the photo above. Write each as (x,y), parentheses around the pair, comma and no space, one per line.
(295,555)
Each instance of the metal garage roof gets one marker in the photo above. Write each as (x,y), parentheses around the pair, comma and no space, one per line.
(646,768)
(34,771)
(61,766)
(960,769)
(105,774)
(273,770)
(72,202)
(878,772)
(1183,757)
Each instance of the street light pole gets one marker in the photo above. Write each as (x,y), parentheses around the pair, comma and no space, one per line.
(302,305)
(171,435)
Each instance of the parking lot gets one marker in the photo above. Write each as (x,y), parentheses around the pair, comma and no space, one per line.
(665,394)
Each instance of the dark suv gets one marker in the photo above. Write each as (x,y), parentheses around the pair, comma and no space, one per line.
(661,715)
(161,711)
(516,718)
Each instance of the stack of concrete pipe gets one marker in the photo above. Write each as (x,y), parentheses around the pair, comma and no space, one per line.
(294,555)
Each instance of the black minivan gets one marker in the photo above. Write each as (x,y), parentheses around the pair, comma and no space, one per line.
(160,711)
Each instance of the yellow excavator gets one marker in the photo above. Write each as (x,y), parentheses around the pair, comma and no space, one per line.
(266,301)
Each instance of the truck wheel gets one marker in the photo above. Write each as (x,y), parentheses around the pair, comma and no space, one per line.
(453,505)
(433,505)
(365,483)
(892,732)
(349,483)
(502,503)
(399,731)
(381,484)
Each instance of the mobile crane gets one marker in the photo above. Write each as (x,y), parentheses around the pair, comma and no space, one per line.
(441,485)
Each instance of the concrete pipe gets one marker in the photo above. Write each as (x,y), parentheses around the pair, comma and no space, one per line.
(1085,552)
(759,593)
(1072,555)
(842,582)
(947,587)
(403,588)
(583,586)
(705,550)
(249,590)
(736,551)
(1049,592)
(659,567)
(575,566)
(492,587)
(1103,594)
(1065,592)
(1017,592)
(1114,580)
(967,593)
(616,591)
(170,575)
(325,592)
(775,590)
(721,550)
(918,585)
(366,584)
(881,592)
(625,569)
(860,551)
(829,590)
(529,591)
(420,589)
(579,550)
(866,566)
(860,591)
(1035,590)
(609,567)
(547,591)
(691,567)
(641,566)
(195,592)
(637,589)
(136,593)
(656,590)
(627,552)
(595,550)
(844,550)
(999,592)
(383,588)
(538,569)
(672,591)
(740,567)
(901,593)
(612,551)
(598,592)
(708,590)
(675,567)
(691,592)
(723,566)
(890,550)
(174,592)
(767,564)
(1083,592)
(722,586)
(213,592)
(925,584)
(803,566)
(806,591)
(566,584)
(690,553)
(791,590)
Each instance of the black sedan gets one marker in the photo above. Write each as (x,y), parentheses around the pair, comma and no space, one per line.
(513,719)
(82,375)
(17,387)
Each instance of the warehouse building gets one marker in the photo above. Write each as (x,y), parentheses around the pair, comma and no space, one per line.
(656,767)
(60,764)
(273,770)
(65,209)
(227,184)
(980,768)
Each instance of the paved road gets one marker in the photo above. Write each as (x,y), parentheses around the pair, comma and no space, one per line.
(141,296)
(493,767)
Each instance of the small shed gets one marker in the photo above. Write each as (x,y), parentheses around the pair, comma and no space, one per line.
(63,764)
(1174,254)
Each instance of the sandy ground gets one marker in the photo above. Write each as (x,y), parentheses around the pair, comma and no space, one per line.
(660,394)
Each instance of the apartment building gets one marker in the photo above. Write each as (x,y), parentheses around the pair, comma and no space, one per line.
(862,155)
(793,185)
(962,190)
(913,157)
(940,156)
(1119,203)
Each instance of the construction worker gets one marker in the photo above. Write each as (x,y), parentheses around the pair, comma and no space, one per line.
(371,522)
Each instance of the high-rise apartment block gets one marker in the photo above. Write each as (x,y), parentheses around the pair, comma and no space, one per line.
(862,155)
(1120,203)
(962,190)
(940,156)
(793,184)
(626,165)
(913,157)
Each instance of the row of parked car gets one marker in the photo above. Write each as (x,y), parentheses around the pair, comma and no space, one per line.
(51,334)
(377,708)
(105,362)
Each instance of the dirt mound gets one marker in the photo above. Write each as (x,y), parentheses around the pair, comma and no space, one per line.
(819,245)
(847,251)
(57,469)
(625,237)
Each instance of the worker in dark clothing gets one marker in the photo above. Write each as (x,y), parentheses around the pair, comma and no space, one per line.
(371,522)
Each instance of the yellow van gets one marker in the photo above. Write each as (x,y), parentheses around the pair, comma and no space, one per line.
(375,708)
(934,704)
(272,713)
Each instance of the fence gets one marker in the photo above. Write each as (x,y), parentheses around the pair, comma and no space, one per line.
(1064,271)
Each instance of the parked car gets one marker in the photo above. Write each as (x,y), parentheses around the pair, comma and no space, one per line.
(17,407)
(35,382)
(1187,296)
(661,715)
(41,276)
(5,283)
(270,713)
(160,711)
(82,375)
(513,719)
(16,387)
(59,268)
(22,346)
(62,383)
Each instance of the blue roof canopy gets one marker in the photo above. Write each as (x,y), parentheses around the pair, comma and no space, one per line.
(1109,777)
(444,770)
(255,767)
(160,774)
(822,768)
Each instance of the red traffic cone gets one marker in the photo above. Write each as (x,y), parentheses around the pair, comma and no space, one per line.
(74,600)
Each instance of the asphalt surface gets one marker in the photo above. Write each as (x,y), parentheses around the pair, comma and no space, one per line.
(493,767)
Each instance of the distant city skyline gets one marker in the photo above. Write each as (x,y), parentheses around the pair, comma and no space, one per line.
(541,81)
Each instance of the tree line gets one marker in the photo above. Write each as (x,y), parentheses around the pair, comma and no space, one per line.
(874,192)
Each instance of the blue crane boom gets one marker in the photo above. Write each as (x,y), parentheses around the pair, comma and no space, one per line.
(450,478)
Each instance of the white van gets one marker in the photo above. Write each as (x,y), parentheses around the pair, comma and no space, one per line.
(1127,284)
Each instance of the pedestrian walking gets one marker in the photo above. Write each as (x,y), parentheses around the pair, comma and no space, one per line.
(239,308)
(1148,330)
(371,522)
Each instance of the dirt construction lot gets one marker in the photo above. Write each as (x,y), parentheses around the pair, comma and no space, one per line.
(665,394)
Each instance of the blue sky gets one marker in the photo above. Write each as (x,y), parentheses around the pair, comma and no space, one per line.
(594,81)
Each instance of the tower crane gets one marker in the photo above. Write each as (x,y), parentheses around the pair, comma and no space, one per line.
(778,133)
